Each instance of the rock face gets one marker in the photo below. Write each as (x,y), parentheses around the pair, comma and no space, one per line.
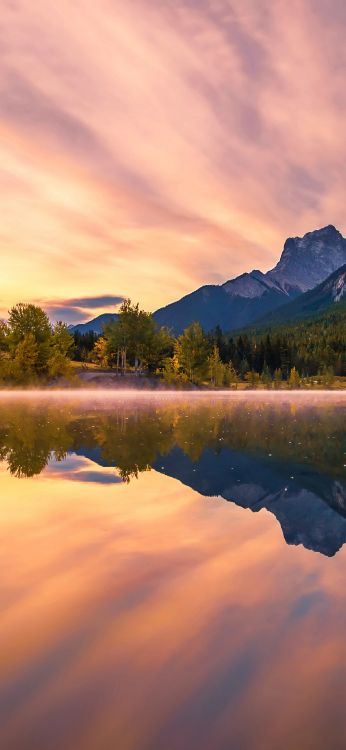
(308,260)
(304,263)
(230,306)
(316,301)
(339,285)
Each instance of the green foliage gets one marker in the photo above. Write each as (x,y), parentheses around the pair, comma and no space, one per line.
(311,346)
(134,340)
(24,319)
(192,350)
(252,378)
(277,377)
(172,372)
(217,369)
(231,377)
(83,345)
(58,365)
(309,353)
(266,376)
(23,366)
(327,377)
(132,438)
(100,352)
(29,320)
(61,349)
(61,340)
(294,379)
(220,373)
(31,349)
(274,358)
(3,336)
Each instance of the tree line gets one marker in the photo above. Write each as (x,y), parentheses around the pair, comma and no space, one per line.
(32,350)
(288,355)
(131,437)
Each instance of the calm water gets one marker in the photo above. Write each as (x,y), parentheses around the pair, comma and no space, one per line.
(173,572)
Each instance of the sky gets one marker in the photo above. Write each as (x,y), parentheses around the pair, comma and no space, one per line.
(148,147)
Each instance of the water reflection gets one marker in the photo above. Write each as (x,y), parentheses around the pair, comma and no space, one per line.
(137,614)
(287,456)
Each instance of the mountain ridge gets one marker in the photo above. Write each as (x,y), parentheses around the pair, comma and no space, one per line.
(96,325)
(304,263)
(317,300)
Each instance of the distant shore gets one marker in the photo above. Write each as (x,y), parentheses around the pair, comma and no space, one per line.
(107,378)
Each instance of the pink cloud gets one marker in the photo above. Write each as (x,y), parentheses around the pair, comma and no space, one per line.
(154,147)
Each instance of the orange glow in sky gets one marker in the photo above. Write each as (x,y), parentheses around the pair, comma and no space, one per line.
(148,147)
(120,588)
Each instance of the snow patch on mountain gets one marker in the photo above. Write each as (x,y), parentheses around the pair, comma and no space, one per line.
(251,285)
(339,288)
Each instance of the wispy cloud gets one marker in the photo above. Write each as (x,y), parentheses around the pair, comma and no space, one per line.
(107,300)
(80,309)
(156,146)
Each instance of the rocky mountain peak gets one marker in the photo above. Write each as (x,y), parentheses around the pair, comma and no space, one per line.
(308,260)
(304,264)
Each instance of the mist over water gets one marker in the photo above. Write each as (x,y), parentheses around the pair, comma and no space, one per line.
(172,570)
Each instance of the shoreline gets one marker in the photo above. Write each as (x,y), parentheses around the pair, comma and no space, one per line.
(109,393)
(105,383)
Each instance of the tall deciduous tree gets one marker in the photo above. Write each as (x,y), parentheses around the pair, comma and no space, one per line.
(100,352)
(135,340)
(217,369)
(192,350)
(28,318)
(23,367)
(31,348)
(61,348)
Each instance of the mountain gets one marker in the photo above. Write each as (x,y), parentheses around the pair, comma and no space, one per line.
(318,300)
(308,260)
(309,506)
(304,263)
(234,304)
(96,325)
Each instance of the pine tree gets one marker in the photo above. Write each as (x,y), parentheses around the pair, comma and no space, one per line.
(192,350)
(266,375)
(277,377)
(294,379)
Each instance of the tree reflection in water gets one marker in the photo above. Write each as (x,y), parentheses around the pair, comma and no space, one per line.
(284,456)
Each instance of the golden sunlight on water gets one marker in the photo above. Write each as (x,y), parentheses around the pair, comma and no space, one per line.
(144,615)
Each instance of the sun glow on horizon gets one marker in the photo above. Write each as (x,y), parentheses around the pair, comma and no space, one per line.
(148,150)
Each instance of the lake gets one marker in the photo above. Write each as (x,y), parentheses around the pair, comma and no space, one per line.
(173,571)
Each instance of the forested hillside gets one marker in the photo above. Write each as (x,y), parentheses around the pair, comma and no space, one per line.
(311,345)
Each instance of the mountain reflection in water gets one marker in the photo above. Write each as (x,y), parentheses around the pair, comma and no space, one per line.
(139,609)
(284,455)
